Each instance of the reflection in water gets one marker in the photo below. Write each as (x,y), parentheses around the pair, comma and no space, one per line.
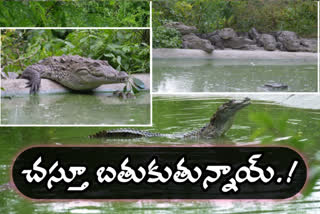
(204,75)
(76,109)
(171,115)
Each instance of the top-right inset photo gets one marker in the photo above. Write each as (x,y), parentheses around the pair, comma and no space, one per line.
(235,46)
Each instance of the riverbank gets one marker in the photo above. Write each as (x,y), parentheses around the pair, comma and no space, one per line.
(161,53)
(13,87)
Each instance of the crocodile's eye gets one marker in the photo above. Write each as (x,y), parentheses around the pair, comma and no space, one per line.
(104,62)
(82,71)
(95,64)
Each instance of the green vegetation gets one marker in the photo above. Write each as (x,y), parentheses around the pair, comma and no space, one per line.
(74,13)
(166,37)
(299,16)
(125,50)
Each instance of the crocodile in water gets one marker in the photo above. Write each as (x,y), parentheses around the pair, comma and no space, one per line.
(219,124)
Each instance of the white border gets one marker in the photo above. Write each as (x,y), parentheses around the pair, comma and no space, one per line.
(75,28)
(88,28)
(318,47)
(151,65)
(234,93)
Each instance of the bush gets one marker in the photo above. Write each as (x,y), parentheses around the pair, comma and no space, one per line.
(266,15)
(126,50)
(166,38)
(80,13)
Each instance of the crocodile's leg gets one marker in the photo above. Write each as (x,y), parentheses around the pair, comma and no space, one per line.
(124,95)
(34,80)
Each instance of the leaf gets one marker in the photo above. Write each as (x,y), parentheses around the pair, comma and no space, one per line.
(125,88)
(110,55)
(135,89)
(119,60)
(138,83)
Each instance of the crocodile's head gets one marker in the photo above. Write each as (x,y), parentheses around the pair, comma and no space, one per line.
(222,120)
(92,75)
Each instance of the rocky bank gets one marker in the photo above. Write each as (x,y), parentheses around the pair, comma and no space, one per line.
(227,38)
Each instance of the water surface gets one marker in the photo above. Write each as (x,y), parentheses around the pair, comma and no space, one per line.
(87,109)
(174,115)
(222,75)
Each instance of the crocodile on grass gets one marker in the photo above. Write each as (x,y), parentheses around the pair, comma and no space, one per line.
(74,72)
(219,124)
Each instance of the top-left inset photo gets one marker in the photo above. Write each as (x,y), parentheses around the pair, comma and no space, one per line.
(74,13)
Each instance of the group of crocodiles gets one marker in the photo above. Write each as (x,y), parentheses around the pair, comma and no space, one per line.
(219,124)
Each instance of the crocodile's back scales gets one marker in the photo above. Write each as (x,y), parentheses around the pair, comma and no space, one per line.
(74,72)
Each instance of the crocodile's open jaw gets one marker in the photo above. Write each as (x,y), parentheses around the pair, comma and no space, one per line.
(230,108)
(222,120)
(107,77)
(119,77)
(236,105)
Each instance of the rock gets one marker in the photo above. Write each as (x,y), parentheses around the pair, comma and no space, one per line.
(217,41)
(17,86)
(228,38)
(309,45)
(227,33)
(289,40)
(253,34)
(267,41)
(9,75)
(182,28)
(280,46)
(191,41)
(244,35)
(203,35)
(214,38)
(238,43)
(208,35)
(252,47)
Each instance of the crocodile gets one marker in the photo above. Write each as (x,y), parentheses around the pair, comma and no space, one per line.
(218,125)
(74,72)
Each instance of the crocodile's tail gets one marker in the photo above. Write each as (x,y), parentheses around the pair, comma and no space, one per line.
(124,133)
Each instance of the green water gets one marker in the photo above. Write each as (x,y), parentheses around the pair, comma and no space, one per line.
(173,115)
(221,75)
(87,109)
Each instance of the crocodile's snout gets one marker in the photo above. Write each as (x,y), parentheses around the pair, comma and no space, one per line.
(236,105)
(123,76)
